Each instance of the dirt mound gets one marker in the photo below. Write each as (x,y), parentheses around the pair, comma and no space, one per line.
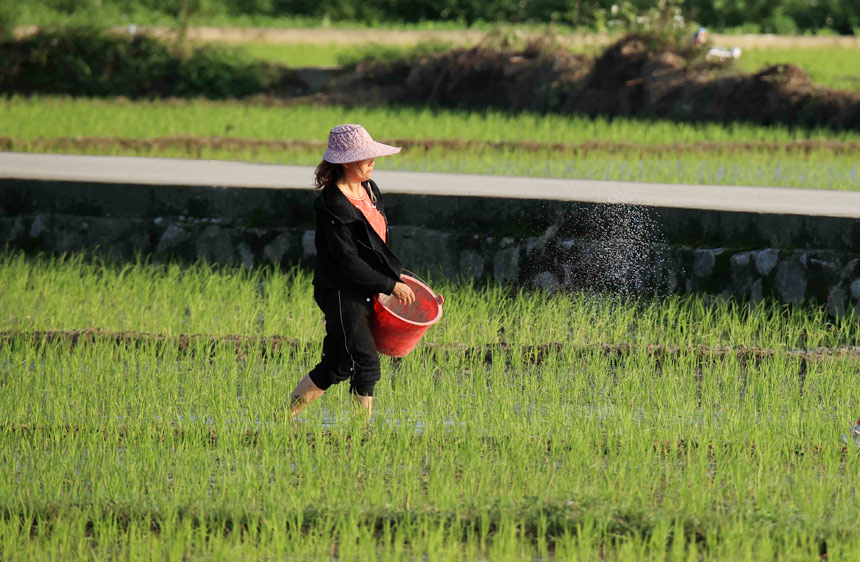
(481,76)
(630,78)
(625,78)
(476,77)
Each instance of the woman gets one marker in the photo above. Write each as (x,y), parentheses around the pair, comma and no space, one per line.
(354,263)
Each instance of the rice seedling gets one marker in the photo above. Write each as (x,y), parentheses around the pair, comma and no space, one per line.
(75,293)
(124,452)
(50,116)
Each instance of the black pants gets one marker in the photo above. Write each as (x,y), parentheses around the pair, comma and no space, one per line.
(349,351)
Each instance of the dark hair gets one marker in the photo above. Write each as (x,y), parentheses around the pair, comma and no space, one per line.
(327,173)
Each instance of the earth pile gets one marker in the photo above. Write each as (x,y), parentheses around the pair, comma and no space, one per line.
(630,78)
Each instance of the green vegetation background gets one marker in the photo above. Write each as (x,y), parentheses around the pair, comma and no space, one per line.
(769,16)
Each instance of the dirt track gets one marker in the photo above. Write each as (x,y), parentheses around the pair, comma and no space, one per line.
(323,36)
(193,144)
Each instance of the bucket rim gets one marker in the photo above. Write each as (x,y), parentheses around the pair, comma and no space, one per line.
(413,322)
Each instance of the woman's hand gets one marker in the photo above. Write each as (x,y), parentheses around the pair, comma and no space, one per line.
(403,293)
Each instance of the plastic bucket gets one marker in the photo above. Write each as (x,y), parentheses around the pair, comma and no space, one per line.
(397,327)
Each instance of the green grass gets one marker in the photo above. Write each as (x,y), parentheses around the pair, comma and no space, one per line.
(831,67)
(296,56)
(138,453)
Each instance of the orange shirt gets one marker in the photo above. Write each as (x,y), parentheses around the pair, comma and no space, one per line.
(371,213)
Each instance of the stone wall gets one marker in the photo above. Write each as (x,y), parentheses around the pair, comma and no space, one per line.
(545,244)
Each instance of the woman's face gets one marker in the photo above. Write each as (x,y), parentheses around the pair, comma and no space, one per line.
(361,170)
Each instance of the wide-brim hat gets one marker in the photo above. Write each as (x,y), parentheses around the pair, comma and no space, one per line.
(351,143)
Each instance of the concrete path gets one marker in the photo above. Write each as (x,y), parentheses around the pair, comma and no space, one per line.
(218,173)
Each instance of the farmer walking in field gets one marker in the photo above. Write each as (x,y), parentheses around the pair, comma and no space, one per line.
(354,263)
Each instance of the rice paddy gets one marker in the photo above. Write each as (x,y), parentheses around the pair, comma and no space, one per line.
(138,449)
(74,294)
(620,149)
(48,116)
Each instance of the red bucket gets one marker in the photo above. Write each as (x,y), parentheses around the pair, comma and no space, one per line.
(398,327)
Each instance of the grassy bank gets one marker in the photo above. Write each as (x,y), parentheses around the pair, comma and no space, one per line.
(140,452)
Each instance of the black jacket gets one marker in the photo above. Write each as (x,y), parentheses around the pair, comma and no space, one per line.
(350,254)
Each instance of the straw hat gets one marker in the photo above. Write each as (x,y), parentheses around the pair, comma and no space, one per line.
(351,143)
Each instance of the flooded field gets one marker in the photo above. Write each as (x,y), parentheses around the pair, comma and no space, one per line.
(531,426)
